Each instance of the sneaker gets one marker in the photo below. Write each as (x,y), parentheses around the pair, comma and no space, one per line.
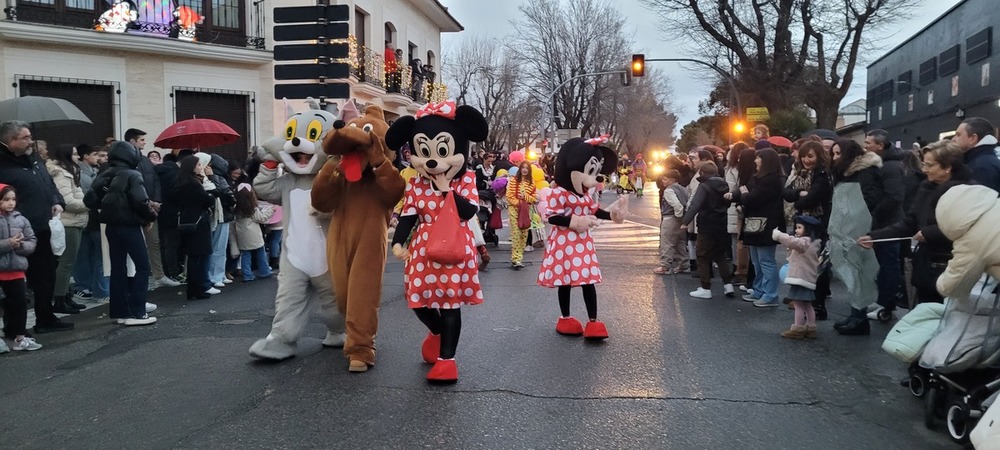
(182,279)
(874,314)
(701,293)
(517,266)
(167,281)
(144,320)
(150,307)
(117,321)
(744,288)
(3,347)
(26,344)
(765,304)
(728,289)
(100,300)
(213,291)
(84,294)
(750,297)
(529,248)
(153,285)
(226,281)
(219,285)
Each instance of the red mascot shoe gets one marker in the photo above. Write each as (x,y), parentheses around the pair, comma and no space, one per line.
(595,330)
(569,326)
(444,371)
(431,348)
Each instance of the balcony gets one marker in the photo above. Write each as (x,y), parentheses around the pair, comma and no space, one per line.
(154,20)
(368,67)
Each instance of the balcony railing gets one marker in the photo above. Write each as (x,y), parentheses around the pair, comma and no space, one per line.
(368,66)
(48,15)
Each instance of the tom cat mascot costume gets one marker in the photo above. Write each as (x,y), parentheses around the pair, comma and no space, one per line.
(360,187)
(304,281)
(570,259)
(439,137)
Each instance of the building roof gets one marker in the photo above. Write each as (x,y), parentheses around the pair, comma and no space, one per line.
(439,15)
(902,44)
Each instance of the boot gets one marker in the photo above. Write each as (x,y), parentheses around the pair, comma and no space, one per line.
(795,332)
(595,330)
(811,332)
(444,371)
(569,326)
(820,308)
(72,303)
(61,307)
(484,257)
(855,325)
(431,348)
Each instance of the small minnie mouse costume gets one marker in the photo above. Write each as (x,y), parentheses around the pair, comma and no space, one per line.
(439,137)
(570,259)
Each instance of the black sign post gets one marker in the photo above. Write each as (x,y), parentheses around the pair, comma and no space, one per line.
(323,25)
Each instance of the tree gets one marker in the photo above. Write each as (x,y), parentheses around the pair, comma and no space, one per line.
(783,52)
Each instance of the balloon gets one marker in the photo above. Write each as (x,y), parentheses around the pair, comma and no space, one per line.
(499,184)
(513,171)
(516,157)
(783,272)
(537,174)
(501,173)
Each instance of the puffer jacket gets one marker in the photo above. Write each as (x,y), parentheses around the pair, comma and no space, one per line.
(968,215)
(11,259)
(247,229)
(118,193)
(709,205)
(75,214)
(220,176)
(803,259)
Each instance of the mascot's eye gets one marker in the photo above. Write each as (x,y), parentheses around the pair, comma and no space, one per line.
(314,131)
(424,150)
(443,150)
(368,128)
(290,129)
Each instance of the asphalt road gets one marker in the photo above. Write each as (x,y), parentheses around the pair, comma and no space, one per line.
(677,373)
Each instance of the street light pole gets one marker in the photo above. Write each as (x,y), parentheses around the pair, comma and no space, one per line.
(551,120)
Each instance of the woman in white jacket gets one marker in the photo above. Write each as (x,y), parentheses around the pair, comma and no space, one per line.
(968,215)
(63,166)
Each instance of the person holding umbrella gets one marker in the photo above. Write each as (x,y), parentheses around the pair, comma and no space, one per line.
(39,201)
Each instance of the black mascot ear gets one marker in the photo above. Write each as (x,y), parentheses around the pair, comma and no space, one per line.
(472,122)
(400,132)
(610,160)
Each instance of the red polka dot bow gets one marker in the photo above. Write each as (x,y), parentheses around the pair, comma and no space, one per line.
(444,109)
(600,140)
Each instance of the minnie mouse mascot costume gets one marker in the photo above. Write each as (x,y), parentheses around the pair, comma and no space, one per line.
(439,137)
(570,259)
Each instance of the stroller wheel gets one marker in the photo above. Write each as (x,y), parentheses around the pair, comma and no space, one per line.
(958,422)
(918,385)
(884,315)
(931,405)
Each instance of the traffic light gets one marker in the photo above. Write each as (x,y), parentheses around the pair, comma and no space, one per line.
(638,65)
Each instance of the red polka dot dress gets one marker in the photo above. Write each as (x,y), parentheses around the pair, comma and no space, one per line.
(570,259)
(430,284)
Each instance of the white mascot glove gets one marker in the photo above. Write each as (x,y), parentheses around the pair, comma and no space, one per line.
(581,224)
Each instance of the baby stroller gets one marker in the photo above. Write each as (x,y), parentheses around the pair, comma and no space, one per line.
(958,374)
(487,209)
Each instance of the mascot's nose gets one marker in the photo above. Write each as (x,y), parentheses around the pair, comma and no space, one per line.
(339,124)
(431,163)
(295,142)
(600,178)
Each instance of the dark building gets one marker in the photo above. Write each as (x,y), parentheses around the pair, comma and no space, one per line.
(922,89)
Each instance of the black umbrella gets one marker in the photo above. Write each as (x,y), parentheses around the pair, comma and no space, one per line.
(46,111)
(823,133)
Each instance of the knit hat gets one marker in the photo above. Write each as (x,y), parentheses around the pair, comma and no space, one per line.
(761,144)
(204,158)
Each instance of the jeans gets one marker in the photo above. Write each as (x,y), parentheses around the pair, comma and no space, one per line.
(88,272)
(128,294)
(765,282)
(258,257)
(273,244)
(217,261)
(890,273)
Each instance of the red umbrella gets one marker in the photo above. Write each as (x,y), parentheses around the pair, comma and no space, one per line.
(780,141)
(196,133)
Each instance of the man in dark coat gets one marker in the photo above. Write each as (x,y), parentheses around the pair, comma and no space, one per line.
(39,201)
(975,136)
(888,211)
(712,210)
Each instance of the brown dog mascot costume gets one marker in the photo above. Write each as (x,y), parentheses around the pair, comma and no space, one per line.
(360,187)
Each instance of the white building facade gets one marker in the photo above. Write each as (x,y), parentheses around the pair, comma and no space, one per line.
(148,78)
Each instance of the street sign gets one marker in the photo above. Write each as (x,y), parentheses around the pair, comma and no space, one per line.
(311,31)
(314,90)
(311,71)
(292,52)
(293,14)
(757,114)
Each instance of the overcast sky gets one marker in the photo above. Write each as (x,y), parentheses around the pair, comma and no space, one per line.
(493,19)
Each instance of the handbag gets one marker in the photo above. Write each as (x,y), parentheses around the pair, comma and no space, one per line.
(924,273)
(523,215)
(444,244)
(58,237)
(187,228)
(496,219)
